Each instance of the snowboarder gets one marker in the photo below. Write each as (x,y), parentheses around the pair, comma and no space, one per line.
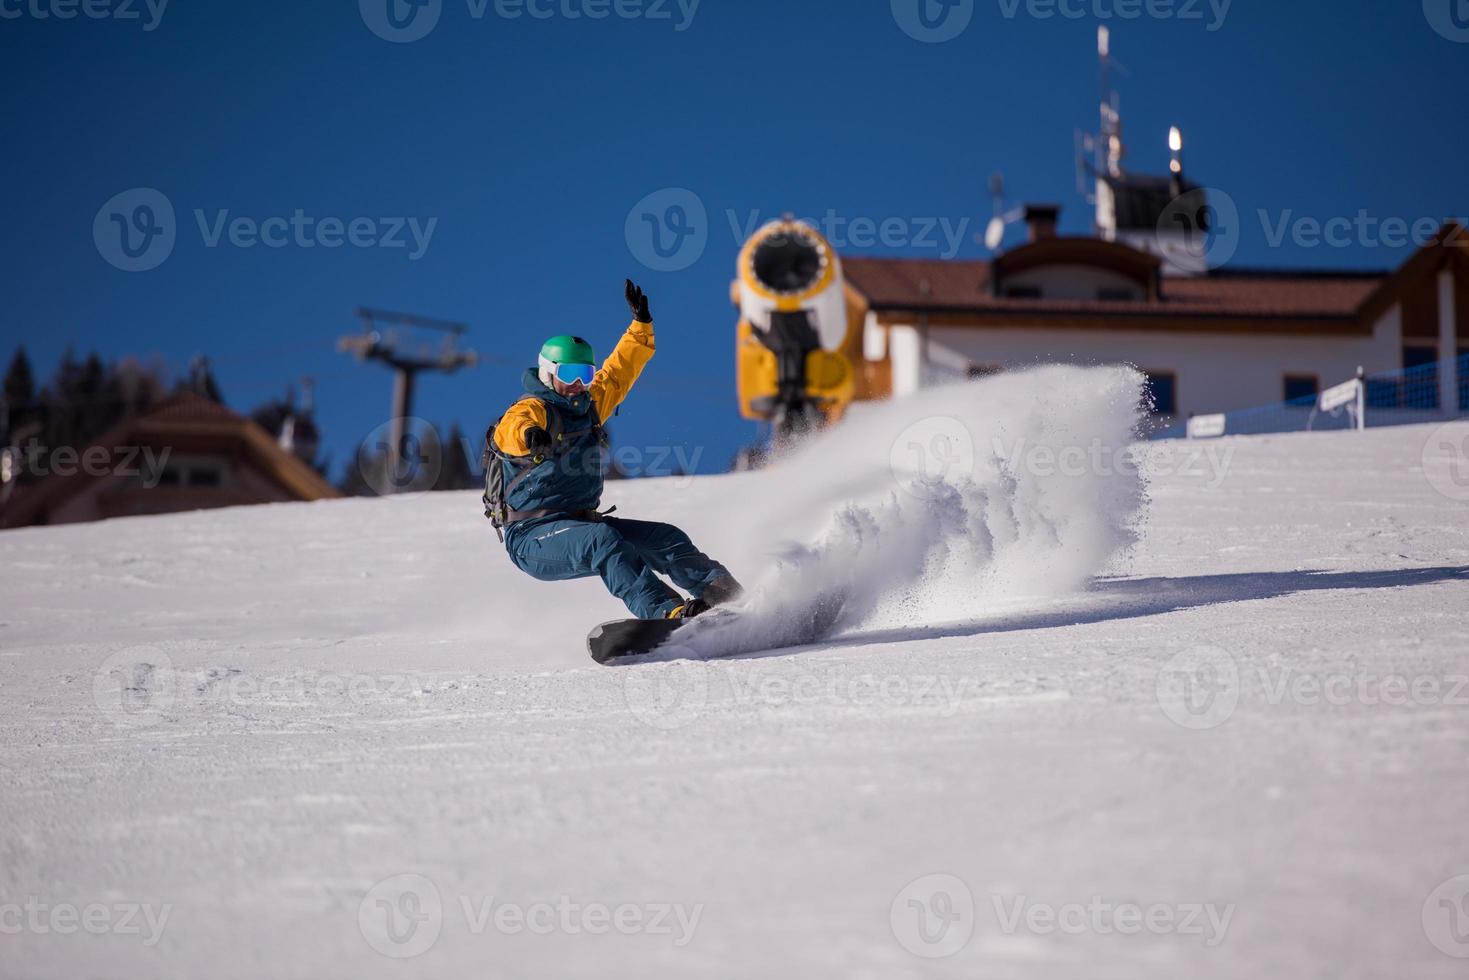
(548,451)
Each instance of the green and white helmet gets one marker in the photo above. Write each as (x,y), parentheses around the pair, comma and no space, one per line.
(567,359)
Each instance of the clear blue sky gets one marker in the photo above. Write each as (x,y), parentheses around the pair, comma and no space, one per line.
(530,140)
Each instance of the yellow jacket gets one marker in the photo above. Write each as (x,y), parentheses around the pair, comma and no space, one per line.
(609,387)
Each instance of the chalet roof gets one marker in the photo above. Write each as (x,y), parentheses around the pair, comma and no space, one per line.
(182,416)
(963,287)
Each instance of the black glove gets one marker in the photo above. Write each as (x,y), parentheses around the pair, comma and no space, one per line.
(637,301)
(537,439)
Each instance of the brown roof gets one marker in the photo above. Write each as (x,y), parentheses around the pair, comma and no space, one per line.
(963,286)
(183,416)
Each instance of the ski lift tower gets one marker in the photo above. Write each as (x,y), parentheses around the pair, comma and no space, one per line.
(389,337)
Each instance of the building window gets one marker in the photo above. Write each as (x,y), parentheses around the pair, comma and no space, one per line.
(983,370)
(205,476)
(1023,292)
(1301,387)
(1162,392)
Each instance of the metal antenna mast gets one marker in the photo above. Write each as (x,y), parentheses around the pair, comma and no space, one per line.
(382,339)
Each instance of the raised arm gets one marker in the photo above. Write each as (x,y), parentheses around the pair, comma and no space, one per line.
(633,352)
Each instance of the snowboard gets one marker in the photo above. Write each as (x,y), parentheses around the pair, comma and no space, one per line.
(625,640)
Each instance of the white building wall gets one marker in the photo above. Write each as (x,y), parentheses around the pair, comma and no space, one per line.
(1215,372)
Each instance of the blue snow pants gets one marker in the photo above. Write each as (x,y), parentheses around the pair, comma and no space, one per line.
(628,555)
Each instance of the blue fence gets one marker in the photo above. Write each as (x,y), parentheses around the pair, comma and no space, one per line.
(1391,398)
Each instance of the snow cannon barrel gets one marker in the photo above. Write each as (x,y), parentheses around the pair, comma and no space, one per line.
(793,320)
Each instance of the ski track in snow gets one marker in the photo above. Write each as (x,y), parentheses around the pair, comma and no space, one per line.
(257,716)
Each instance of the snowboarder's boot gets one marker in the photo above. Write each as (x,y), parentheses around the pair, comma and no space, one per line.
(722,590)
(689,610)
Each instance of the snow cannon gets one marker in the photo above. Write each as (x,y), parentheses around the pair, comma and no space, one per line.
(793,320)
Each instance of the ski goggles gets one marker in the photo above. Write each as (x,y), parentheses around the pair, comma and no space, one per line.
(572,373)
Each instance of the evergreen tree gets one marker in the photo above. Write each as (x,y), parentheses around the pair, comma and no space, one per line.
(455,473)
(21,406)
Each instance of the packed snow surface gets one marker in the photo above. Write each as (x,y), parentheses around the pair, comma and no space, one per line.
(1098,709)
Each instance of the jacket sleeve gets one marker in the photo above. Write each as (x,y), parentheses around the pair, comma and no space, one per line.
(510,433)
(620,371)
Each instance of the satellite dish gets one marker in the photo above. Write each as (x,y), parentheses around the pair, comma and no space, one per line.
(994,234)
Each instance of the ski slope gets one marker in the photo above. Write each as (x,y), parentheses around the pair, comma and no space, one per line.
(1105,724)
